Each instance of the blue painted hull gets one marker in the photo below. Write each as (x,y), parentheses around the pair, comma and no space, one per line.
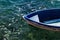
(45,17)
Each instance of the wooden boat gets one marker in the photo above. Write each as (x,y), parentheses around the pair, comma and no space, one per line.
(48,19)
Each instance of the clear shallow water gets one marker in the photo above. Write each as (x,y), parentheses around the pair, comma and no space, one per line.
(12,25)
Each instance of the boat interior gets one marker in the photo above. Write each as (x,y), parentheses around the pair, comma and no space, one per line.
(48,17)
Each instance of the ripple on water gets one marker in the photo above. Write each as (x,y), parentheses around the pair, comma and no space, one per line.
(11,12)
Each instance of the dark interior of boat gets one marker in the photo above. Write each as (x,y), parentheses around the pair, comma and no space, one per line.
(49,16)
(46,16)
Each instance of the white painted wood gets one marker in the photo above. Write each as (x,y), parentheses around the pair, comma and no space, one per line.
(35,18)
(55,24)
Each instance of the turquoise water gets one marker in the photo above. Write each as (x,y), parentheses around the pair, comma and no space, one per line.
(12,25)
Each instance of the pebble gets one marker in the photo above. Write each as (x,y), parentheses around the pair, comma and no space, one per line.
(33,9)
(22,14)
(39,7)
(58,0)
(52,2)
(9,24)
